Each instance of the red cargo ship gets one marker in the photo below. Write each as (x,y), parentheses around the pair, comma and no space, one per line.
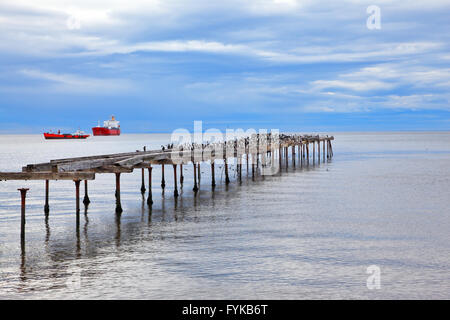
(110,128)
(77,135)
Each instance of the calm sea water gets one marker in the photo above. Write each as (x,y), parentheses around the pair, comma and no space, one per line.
(383,200)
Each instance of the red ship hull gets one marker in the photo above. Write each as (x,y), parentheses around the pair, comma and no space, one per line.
(101,131)
(49,136)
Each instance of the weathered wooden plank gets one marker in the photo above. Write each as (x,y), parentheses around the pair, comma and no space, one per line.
(46,176)
(110,169)
(84,165)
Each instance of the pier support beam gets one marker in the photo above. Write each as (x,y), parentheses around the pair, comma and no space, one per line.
(150,199)
(142,181)
(227,178)
(328,149)
(77,195)
(118,202)
(198,172)
(213,175)
(307,153)
(86,199)
(23,195)
(300,154)
(318,151)
(293,156)
(46,206)
(286,153)
(314,152)
(181,175)
(175,182)
(279,157)
(323,149)
(163,181)
(331,149)
(195,189)
(240,168)
(247,162)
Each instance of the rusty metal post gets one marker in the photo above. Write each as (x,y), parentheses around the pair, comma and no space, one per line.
(163,181)
(77,195)
(86,199)
(46,206)
(23,194)
(150,199)
(175,190)
(118,202)
(142,181)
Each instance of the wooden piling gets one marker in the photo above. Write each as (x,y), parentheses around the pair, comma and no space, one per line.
(163,181)
(142,181)
(280,157)
(253,167)
(300,150)
(175,190)
(195,189)
(181,175)
(240,171)
(293,156)
(213,175)
(119,209)
(314,152)
(86,199)
(77,195)
(23,195)
(286,154)
(247,162)
(323,154)
(227,178)
(150,199)
(46,206)
(198,172)
(331,149)
(307,153)
(318,151)
(328,149)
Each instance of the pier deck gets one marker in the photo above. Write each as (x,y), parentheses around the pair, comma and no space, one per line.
(266,154)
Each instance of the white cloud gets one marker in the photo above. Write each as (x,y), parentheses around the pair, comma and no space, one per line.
(78,84)
(352,85)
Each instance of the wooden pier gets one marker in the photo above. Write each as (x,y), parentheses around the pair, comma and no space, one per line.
(267,154)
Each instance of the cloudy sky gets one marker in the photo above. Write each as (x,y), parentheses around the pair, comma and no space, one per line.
(159,65)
